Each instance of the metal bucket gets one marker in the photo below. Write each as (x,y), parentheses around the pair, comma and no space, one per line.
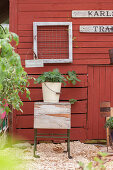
(51,91)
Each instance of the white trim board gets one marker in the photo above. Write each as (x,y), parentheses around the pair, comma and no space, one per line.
(96,28)
(92,13)
(34,63)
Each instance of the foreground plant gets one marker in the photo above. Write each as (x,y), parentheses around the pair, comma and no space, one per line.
(13,78)
(96,164)
(10,157)
(109,123)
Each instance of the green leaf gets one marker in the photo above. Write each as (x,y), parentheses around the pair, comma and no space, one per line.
(98,160)
(15,38)
(72,77)
(103,154)
(21,110)
(72,101)
(28,93)
(81,164)
(1,86)
(7,109)
(89,166)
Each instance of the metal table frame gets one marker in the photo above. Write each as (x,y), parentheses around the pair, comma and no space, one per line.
(51,135)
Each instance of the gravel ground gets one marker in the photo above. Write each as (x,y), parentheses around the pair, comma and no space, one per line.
(52,156)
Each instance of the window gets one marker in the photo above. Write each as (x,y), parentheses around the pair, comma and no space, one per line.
(53,41)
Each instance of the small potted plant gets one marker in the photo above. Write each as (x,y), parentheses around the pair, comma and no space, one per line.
(51,84)
(109,124)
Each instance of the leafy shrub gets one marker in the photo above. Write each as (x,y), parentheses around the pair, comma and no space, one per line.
(96,164)
(13,78)
(109,123)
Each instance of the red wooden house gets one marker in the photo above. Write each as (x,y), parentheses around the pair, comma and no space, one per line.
(90,61)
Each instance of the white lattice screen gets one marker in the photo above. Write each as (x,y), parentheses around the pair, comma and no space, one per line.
(53,41)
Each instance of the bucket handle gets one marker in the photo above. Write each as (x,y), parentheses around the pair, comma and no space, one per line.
(52,90)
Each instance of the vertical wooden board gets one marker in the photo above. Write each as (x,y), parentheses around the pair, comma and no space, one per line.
(13,16)
(96,103)
(90,102)
(102,83)
(14,123)
(102,93)
(107,82)
(10,123)
(97,93)
(111,89)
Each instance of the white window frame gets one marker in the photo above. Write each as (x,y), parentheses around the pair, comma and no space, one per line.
(37,24)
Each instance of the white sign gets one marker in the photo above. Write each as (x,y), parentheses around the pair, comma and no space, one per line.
(92,13)
(97,28)
(34,63)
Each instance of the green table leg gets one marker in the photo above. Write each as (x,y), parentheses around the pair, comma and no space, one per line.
(68,143)
(35,143)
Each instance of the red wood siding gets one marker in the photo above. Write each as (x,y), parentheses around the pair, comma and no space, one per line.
(91,48)
(88,48)
(28,134)
(100,89)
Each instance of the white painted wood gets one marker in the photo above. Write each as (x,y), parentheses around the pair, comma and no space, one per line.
(92,13)
(97,28)
(34,63)
(35,26)
(57,60)
(51,23)
(48,103)
(70,43)
(35,38)
(52,116)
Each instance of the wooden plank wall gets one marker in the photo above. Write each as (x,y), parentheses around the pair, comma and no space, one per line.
(91,48)
(100,88)
(88,48)
(24,121)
